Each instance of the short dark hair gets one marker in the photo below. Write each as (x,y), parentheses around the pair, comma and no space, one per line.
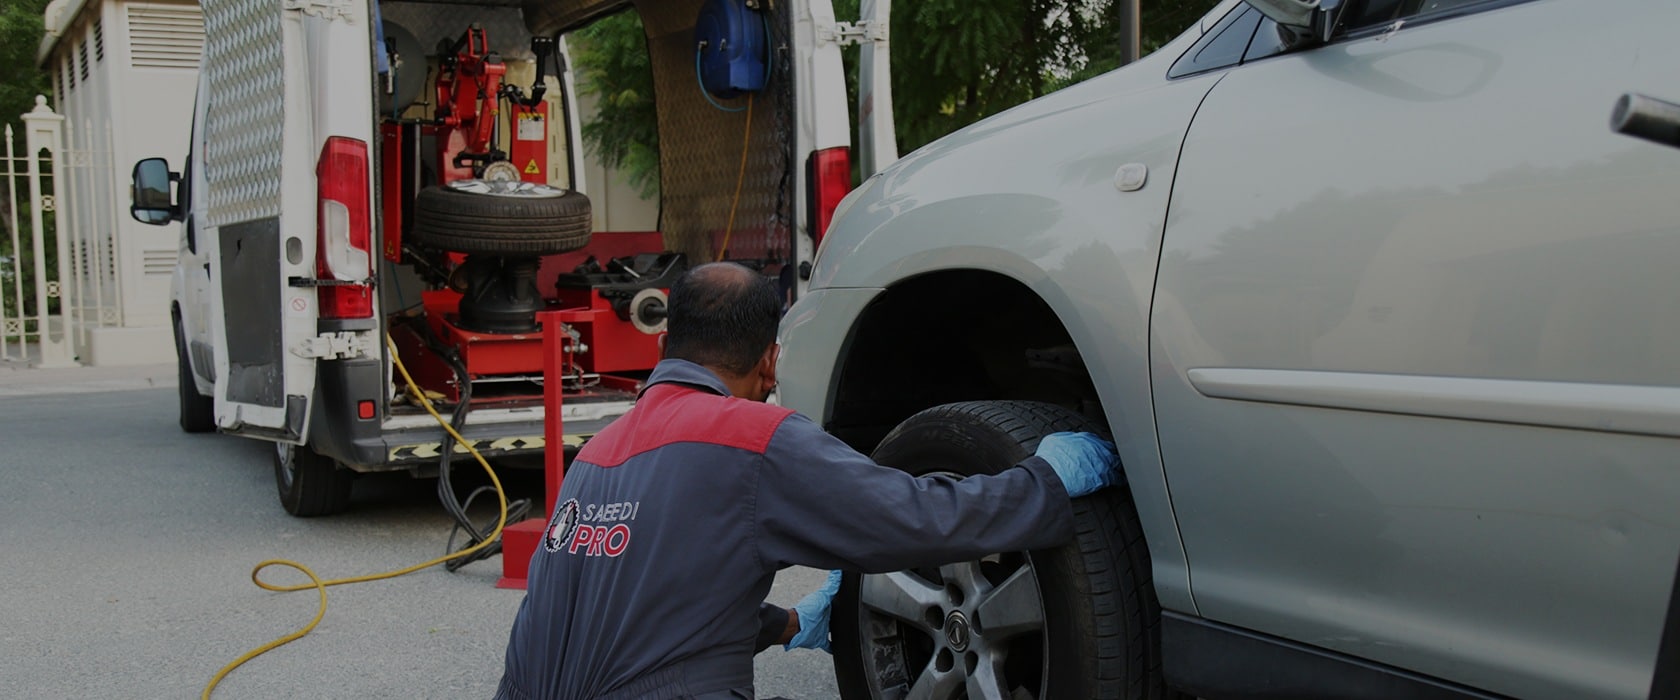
(722,315)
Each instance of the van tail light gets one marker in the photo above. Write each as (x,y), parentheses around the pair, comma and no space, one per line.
(344,230)
(829,174)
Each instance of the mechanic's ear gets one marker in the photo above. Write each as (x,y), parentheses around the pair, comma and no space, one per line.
(766,370)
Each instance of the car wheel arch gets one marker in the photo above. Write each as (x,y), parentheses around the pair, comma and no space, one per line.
(874,385)
(956,334)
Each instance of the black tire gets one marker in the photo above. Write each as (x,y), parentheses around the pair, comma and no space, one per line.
(310,485)
(1097,634)
(198,412)
(449,219)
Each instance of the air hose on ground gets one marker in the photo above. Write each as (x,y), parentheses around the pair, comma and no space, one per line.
(320,586)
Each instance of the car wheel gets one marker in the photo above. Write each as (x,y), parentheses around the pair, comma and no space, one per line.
(501,218)
(1076,621)
(310,484)
(198,412)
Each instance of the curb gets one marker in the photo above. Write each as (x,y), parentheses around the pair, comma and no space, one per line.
(19,379)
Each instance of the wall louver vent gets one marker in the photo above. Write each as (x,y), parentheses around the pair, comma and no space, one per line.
(165,36)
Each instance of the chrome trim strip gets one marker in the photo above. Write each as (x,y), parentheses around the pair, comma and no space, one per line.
(1612,408)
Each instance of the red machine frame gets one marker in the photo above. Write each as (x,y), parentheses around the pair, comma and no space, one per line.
(585,349)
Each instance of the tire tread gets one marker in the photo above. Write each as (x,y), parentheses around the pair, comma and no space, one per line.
(319,486)
(1113,583)
(467,222)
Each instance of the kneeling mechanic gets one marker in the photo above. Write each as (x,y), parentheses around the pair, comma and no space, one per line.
(672,522)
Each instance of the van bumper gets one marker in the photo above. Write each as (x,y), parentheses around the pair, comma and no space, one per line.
(385,443)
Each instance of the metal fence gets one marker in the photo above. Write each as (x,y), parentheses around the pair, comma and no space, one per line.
(59,275)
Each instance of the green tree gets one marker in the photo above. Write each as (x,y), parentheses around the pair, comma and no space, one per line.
(954,62)
(20,35)
(612,62)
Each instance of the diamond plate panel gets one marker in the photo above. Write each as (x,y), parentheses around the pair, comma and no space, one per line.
(245,117)
(700,155)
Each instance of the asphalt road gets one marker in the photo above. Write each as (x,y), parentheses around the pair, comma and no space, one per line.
(128,550)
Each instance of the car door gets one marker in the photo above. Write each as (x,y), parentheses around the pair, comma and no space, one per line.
(258,224)
(1415,348)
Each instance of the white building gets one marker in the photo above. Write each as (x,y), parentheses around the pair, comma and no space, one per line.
(123,76)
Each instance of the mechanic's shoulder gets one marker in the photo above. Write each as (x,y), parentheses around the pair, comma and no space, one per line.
(756,412)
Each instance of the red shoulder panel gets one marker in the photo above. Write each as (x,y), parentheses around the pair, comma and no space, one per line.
(668,414)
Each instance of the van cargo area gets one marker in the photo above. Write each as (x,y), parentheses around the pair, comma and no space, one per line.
(458,306)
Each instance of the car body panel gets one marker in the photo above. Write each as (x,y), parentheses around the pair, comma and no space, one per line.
(997,197)
(1416,359)
(809,360)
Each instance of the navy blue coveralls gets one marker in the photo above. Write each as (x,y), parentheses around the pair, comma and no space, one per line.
(673,521)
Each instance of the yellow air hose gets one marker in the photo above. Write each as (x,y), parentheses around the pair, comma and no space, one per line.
(321,586)
(740,177)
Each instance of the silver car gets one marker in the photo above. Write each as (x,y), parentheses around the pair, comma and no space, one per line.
(1382,314)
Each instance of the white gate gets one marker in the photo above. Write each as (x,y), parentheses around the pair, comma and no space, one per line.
(59,275)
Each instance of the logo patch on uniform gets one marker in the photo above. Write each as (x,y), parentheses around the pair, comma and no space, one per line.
(561,526)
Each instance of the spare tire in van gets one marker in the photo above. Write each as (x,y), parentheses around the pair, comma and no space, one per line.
(501,218)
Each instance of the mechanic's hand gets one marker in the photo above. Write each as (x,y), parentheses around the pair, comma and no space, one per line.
(1085,462)
(813,612)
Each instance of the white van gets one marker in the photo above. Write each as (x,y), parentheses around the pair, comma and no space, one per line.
(364,173)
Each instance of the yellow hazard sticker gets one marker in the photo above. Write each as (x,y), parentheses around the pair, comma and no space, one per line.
(497,446)
(532,169)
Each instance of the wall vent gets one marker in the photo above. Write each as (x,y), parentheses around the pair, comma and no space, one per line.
(166,36)
(81,53)
(158,261)
(98,41)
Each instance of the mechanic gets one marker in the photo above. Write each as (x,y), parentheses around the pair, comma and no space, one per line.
(672,522)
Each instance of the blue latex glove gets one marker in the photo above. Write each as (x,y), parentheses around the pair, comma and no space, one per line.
(813,612)
(1085,462)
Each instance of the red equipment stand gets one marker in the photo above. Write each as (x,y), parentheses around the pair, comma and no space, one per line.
(520,540)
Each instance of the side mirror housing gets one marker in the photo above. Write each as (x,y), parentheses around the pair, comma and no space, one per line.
(1307,22)
(153,198)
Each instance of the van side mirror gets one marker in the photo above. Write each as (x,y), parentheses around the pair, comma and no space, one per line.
(153,202)
(1306,22)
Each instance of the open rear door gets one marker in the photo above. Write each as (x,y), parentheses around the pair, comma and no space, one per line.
(259,195)
(877,144)
(823,141)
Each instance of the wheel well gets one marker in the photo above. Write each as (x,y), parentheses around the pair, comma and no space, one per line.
(960,335)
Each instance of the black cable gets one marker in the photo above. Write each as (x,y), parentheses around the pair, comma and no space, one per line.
(446,491)
(517,511)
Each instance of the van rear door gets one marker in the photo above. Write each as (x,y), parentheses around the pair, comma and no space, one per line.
(260,217)
(877,145)
(824,139)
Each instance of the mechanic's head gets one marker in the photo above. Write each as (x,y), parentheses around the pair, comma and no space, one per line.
(723,316)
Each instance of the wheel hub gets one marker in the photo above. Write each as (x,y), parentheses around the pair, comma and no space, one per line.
(939,647)
(957,631)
